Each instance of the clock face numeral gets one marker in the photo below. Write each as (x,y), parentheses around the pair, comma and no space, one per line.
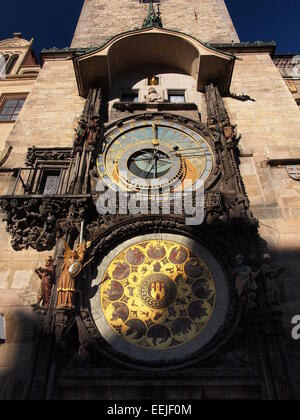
(170,154)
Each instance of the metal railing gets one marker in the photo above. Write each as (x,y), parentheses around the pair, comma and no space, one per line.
(31,181)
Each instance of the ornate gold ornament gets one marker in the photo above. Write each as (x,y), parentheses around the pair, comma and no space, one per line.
(158,294)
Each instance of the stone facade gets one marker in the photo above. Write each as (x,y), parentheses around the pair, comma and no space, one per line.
(53,95)
(289,67)
(269,122)
(207,20)
(265,113)
(20,79)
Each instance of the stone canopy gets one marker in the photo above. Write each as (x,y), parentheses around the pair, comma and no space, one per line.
(151,48)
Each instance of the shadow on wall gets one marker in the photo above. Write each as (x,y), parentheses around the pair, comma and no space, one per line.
(18,352)
(18,327)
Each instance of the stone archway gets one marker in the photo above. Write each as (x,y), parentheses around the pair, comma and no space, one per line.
(153,47)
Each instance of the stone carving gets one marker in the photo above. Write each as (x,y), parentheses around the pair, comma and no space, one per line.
(43,154)
(93,131)
(245,283)
(227,154)
(71,268)
(80,132)
(293,172)
(154,97)
(270,273)
(36,223)
(88,136)
(46,275)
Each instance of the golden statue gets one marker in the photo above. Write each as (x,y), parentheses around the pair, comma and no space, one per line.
(70,270)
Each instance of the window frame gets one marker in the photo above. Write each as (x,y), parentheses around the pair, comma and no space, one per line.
(130,92)
(11,96)
(11,63)
(177,92)
(46,171)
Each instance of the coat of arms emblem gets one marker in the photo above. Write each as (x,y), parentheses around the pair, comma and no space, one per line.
(294,172)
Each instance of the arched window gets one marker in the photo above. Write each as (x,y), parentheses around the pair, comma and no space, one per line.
(11,63)
(2,330)
(3,62)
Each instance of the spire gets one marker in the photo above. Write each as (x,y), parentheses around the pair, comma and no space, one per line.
(153,19)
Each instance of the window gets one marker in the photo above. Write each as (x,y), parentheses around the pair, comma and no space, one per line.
(11,63)
(3,61)
(132,96)
(2,330)
(176,96)
(11,108)
(50,182)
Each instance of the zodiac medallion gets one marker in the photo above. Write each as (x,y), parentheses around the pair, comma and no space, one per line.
(157,294)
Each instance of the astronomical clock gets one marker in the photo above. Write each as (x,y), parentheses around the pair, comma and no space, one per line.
(157,154)
(160,298)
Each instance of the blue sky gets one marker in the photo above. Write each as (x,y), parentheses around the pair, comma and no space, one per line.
(52,23)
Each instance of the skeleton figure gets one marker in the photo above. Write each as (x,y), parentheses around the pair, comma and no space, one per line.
(245,282)
(46,275)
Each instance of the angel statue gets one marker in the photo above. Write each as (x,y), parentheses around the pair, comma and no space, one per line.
(71,268)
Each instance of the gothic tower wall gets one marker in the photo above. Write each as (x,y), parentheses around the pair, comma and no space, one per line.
(207,20)
(268,120)
(259,104)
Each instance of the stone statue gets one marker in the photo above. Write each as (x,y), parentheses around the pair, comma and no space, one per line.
(46,275)
(70,270)
(245,282)
(154,97)
(270,273)
(93,131)
(80,131)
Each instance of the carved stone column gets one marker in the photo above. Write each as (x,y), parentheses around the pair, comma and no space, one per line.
(88,137)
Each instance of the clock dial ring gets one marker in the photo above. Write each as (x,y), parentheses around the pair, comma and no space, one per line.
(174,173)
(173,326)
(182,142)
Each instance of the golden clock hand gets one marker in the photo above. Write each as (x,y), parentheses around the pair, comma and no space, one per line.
(190,148)
(155,141)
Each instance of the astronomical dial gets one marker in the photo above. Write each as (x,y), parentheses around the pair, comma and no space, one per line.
(158,294)
(156,154)
(161,297)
